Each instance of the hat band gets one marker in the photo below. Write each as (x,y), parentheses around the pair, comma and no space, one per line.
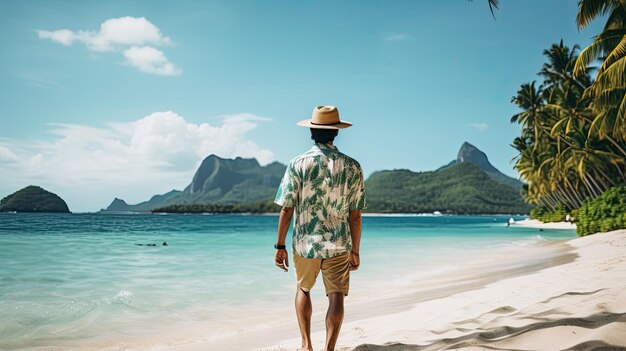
(326,124)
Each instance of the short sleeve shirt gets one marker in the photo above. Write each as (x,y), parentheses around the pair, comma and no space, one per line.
(323,185)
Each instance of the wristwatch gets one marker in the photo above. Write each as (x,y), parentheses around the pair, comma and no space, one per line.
(279,247)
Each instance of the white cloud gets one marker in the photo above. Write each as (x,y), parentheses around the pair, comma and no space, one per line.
(394,36)
(123,31)
(89,166)
(150,60)
(62,36)
(479,126)
(7,156)
(130,34)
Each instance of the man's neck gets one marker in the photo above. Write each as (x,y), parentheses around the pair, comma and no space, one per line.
(330,143)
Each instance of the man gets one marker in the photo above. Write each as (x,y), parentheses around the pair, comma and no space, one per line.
(325,188)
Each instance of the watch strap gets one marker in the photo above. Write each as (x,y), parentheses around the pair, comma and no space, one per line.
(280,247)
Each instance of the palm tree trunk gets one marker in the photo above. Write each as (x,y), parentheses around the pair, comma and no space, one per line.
(555,202)
(573,190)
(620,173)
(559,196)
(616,144)
(549,202)
(608,179)
(590,189)
(573,199)
(568,199)
(593,182)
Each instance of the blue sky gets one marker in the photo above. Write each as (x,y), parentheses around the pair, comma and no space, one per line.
(124,98)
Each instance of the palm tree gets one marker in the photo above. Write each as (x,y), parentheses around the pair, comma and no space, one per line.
(530,100)
(609,90)
(560,156)
(560,66)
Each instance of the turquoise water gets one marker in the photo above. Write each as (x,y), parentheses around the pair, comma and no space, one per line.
(79,280)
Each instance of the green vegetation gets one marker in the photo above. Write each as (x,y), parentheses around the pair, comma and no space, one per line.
(460,188)
(604,213)
(33,199)
(561,158)
(572,147)
(267,206)
(546,215)
(608,92)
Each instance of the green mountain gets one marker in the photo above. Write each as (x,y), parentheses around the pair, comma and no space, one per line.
(227,181)
(469,153)
(457,188)
(217,181)
(33,199)
(470,184)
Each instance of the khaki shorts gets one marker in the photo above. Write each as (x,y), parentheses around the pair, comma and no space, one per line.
(335,271)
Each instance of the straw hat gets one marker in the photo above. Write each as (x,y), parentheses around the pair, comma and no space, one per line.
(325,117)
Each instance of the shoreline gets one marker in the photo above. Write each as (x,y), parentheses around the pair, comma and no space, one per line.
(377,307)
(534,223)
(364,214)
(584,310)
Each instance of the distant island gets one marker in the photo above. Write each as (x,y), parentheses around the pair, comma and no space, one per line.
(33,199)
(470,184)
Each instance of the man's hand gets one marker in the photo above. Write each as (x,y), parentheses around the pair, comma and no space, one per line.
(355,261)
(282,259)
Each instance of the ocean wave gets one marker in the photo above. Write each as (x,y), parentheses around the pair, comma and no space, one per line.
(521,242)
(123,297)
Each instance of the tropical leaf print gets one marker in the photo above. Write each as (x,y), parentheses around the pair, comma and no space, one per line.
(323,185)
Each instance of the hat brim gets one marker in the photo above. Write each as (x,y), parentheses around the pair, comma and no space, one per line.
(307,123)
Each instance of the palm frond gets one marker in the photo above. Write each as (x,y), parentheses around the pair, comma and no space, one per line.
(588,10)
(493,4)
(609,97)
(618,52)
(621,112)
(602,45)
(616,18)
(613,77)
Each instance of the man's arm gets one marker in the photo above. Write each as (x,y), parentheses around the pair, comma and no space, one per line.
(281,257)
(355,232)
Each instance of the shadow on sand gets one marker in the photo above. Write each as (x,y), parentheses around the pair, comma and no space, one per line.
(486,339)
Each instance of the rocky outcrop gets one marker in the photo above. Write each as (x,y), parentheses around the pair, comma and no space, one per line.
(469,153)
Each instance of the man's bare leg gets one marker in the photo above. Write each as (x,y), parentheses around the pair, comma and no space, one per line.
(334,318)
(304,310)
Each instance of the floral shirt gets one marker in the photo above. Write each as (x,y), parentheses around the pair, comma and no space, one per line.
(323,185)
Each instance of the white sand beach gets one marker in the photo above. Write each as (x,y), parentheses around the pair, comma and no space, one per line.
(577,305)
(533,223)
